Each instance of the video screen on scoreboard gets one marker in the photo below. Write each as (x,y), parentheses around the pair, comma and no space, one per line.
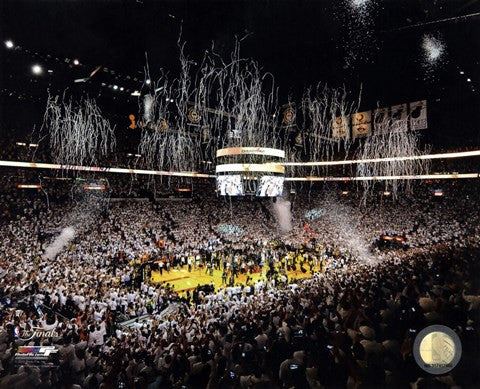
(270,186)
(230,185)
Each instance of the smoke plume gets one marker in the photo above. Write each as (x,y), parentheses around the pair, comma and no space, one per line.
(283,214)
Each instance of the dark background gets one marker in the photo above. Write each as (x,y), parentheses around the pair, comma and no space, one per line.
(300,42)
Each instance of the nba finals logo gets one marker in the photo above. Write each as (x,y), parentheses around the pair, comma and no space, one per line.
(437,349)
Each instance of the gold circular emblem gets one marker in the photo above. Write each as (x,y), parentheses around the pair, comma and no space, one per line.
(437,348)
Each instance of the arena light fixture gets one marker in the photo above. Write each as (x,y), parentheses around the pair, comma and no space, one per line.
(37,69)
(76,62)
(29,186)
(9,44)
(95,187)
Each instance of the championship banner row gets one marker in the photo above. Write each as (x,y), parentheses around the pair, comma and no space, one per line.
(397,118)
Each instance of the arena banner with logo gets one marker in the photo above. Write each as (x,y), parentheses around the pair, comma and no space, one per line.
(381,121)
(361,124)
(399,117)
(340,127)
(418,115)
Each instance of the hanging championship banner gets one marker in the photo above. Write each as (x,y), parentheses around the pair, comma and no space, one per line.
(361,124)
(289,115)
(205,135)
(299,140)
(399,117)
(340,127)
(381,120)
(418,115)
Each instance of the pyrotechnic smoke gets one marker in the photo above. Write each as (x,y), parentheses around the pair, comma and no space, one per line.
(88,205)
(60,242)
(283,214)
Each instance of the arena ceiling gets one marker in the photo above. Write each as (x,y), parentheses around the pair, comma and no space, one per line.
(300,42)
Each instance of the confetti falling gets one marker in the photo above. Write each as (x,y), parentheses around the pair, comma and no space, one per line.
(391,144)
(433,55)
(433,48)
(313,214)
(77,132)
(359,39)
(230,229)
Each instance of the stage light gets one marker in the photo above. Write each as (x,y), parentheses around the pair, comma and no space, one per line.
(121,88)
(135,93)
(21,144)
(115,87)
(462,72)
(37,69)
(9,44)
(148,82)
(468,80)
(50,70)
(76,62)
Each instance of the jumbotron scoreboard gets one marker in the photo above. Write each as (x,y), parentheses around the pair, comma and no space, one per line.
(250,171)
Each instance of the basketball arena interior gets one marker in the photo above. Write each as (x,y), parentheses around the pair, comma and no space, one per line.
(239,194)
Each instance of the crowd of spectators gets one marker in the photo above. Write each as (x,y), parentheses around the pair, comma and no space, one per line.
(347,326)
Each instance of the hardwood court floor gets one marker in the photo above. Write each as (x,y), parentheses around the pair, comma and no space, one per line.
(182,280)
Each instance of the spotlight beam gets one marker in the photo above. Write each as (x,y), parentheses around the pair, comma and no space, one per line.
(461,154)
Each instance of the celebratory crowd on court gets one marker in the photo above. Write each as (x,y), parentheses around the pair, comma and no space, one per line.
(350,325)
